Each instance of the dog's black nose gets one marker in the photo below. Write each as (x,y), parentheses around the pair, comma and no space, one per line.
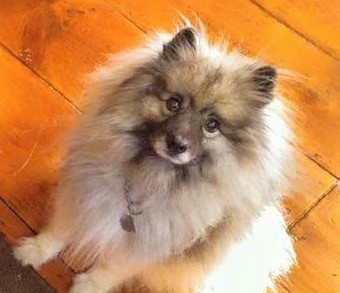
(176,145)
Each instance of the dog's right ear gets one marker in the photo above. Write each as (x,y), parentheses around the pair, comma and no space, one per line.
(185,38)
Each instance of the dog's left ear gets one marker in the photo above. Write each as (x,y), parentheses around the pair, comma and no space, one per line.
(264,80)
(185,38)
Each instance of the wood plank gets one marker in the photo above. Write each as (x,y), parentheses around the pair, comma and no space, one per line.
(319,21)
(318,248)
(55,273)
(33,120)
(64,40)
(315,96)
(309,182)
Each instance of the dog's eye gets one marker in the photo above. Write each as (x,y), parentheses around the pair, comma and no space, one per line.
(211,125)
(174,103)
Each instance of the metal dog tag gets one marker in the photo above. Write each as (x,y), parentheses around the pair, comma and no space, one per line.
(127,224)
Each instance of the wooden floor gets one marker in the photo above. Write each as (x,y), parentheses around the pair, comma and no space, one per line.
(47,47)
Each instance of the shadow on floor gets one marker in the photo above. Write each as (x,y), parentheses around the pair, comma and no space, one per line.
(17,279)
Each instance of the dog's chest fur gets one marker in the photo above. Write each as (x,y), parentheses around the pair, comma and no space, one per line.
(170,221)
(173,218)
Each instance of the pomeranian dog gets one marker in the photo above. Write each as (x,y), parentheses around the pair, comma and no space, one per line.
(174,175)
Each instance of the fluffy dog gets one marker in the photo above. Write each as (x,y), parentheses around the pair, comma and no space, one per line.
(174,174)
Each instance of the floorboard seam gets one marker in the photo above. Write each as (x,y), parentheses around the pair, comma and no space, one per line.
(300,34)
(130,20)
(319,164)
(17,215)
(34,232)
(50,85)
(312,206)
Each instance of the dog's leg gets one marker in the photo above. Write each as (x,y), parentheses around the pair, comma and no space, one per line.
(104,276)
(52,239)
(38,249)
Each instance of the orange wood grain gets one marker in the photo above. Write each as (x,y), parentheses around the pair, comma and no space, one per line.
(309,182)
(318,249)
(246,26)
(317,20)
(55,273)
(33,120)
(64,40)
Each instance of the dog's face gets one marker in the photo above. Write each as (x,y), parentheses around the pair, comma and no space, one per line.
(191,105)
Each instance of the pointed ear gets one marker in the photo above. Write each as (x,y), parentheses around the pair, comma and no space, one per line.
(185,38)
(264,80)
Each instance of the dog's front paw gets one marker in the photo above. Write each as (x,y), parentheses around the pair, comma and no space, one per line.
(29,252)
(84,283)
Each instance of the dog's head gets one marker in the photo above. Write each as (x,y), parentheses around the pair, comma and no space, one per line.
(192,100)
